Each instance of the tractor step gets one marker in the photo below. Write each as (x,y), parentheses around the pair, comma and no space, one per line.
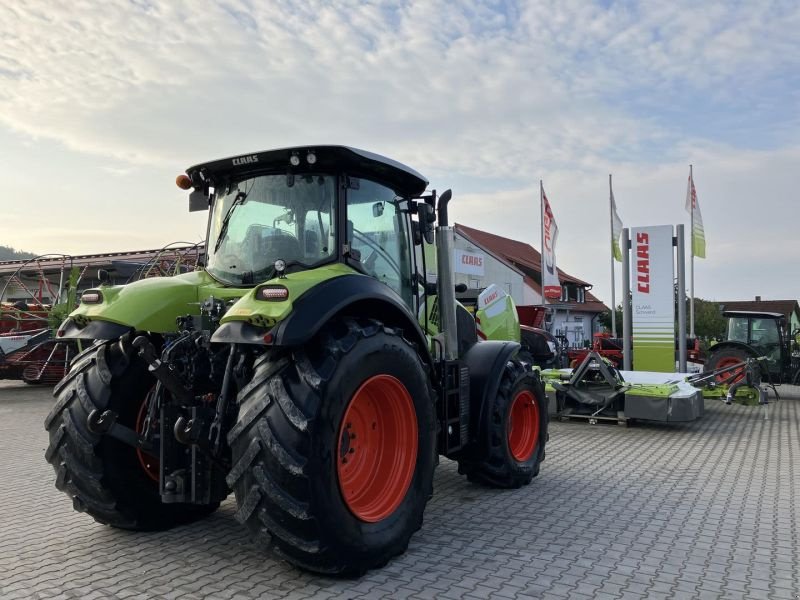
(454,407)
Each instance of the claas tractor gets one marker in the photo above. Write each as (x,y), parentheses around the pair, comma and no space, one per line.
(308,365)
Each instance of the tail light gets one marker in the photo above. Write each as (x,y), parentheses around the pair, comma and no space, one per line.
(272,293)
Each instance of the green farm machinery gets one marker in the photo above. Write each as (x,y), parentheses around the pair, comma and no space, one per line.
(309,366)
(756,335)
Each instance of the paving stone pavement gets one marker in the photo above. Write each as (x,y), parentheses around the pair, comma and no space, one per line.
(703,510)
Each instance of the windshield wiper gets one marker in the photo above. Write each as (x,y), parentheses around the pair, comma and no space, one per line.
(223,230)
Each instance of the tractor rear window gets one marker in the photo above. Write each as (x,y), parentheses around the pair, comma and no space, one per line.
(257,221)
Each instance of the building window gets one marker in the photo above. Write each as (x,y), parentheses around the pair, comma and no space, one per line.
(474,283)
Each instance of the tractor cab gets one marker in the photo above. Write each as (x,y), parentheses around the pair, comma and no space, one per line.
(764,332)
(289,210)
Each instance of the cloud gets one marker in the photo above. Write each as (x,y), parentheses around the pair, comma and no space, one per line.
(486,98)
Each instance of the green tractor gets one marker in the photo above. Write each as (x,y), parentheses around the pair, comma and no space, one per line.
(756,335)
(309,366)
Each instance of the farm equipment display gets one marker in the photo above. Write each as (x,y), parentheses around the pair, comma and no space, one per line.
(538,346)
(602,345)
(28,350)
(309,366)
(756,335)
(598,391)
(610,348)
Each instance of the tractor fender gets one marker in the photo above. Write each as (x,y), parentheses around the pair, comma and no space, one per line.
(487,362)
(731,344)
(355,295)
(95,330)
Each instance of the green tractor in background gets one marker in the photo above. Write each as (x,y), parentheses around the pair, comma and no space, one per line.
(756,335)
(309,366)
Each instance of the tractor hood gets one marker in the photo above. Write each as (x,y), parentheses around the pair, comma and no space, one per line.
(146,305)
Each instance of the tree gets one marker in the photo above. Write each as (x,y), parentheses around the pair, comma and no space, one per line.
(9,253)
(605,320)
(708,320)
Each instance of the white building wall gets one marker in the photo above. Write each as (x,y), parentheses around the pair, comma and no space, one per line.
(530,296)
(489,271)
(577,326)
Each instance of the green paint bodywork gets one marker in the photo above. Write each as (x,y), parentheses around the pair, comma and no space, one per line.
(651,390)
(154,304)
(266,313)
(744,395)
(503,325)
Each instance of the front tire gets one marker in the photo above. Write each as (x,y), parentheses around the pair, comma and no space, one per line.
(334,449)
(512,441)
(114,483)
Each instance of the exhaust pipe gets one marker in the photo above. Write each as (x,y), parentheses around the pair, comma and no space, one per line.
(445,242)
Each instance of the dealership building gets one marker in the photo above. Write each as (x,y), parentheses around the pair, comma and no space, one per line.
(483,258)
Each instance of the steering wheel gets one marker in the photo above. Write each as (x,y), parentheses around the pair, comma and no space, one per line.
(377,249)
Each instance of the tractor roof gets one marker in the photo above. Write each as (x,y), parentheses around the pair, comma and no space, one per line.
(752,313)
(357,163)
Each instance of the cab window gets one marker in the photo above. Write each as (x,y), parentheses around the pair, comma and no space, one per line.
(376,230)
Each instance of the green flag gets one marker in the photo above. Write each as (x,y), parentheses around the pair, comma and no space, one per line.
(698,233)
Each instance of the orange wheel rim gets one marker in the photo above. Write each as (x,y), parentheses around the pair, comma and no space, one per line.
(734,375)
(150,464)
(377,448)
(523,426)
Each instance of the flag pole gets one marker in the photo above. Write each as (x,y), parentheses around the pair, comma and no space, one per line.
(541,255)
(691,260)
(611,227)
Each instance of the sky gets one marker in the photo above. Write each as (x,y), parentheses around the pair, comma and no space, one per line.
(102,104)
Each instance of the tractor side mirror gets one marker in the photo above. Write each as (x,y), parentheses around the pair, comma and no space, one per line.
(377,209)
(416,233)
(427,217)
(198,201)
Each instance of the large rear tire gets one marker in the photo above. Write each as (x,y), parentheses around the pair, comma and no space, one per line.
(111,481)
(728,357)
(512,442)
(335,448)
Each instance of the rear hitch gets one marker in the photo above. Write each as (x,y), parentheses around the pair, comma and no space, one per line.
(105,423)
(162,371)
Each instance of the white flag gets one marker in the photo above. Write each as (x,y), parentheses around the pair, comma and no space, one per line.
(616,229)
